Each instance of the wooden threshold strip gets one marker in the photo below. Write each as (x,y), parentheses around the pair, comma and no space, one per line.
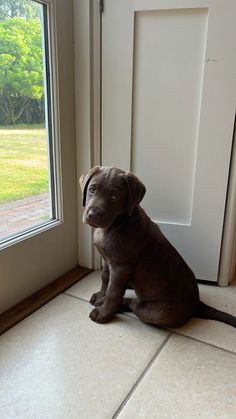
(26,307)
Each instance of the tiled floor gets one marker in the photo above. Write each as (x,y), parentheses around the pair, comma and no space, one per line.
(58,364)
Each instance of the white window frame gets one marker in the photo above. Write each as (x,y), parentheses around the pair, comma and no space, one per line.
(55,146)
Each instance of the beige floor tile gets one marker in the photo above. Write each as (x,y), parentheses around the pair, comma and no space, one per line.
(223,297)
(58,364)
(188,379)
(87,286)
(215,333)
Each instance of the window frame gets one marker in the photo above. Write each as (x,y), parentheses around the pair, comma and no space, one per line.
(52,126)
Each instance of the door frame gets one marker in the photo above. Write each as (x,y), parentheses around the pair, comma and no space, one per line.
(227,266)
(88,61)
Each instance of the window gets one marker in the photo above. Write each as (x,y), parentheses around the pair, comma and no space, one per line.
(29,184)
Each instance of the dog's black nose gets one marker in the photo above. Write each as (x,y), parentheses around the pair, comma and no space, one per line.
(95,214)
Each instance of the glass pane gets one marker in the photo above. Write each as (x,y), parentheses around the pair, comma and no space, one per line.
(25,177)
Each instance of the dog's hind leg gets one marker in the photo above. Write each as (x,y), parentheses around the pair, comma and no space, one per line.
(160,313)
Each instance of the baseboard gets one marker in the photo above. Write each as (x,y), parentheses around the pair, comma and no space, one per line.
(26,307)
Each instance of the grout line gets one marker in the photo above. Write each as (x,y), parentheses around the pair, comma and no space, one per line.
(172,331)
(77,298)
(186,336)
(130,393)
(202,341)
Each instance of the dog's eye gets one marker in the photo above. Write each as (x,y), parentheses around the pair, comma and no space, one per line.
(92,189)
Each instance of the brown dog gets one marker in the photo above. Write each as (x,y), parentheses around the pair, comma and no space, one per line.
(137,255)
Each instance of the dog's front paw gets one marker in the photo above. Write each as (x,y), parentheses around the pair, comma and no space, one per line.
(95,297)
(98,316)
(100,301)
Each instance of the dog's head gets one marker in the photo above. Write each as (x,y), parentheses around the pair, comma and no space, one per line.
(107,193)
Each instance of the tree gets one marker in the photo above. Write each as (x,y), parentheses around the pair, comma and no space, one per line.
(21,65)
(19,8)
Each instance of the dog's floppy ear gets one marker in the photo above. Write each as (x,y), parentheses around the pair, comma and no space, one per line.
(85,179)
(136,191)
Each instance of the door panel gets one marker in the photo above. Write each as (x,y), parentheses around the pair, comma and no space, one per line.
(168,104)
(162,136)
(37,257)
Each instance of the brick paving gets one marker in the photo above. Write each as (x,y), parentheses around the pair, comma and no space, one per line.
(20,215)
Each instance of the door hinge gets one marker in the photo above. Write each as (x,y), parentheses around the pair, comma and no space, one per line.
(101,6)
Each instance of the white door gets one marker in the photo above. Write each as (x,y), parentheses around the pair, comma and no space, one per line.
(168,107)
(38,242)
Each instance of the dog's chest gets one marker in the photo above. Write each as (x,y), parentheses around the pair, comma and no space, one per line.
(104,243)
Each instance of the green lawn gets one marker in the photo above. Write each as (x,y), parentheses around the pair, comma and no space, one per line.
(23,162)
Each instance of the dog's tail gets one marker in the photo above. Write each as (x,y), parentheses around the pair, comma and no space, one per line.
(204,311)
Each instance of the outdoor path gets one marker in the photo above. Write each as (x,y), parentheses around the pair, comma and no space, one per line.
(19,215)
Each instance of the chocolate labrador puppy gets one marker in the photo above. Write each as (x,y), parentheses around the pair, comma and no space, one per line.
(137,255)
